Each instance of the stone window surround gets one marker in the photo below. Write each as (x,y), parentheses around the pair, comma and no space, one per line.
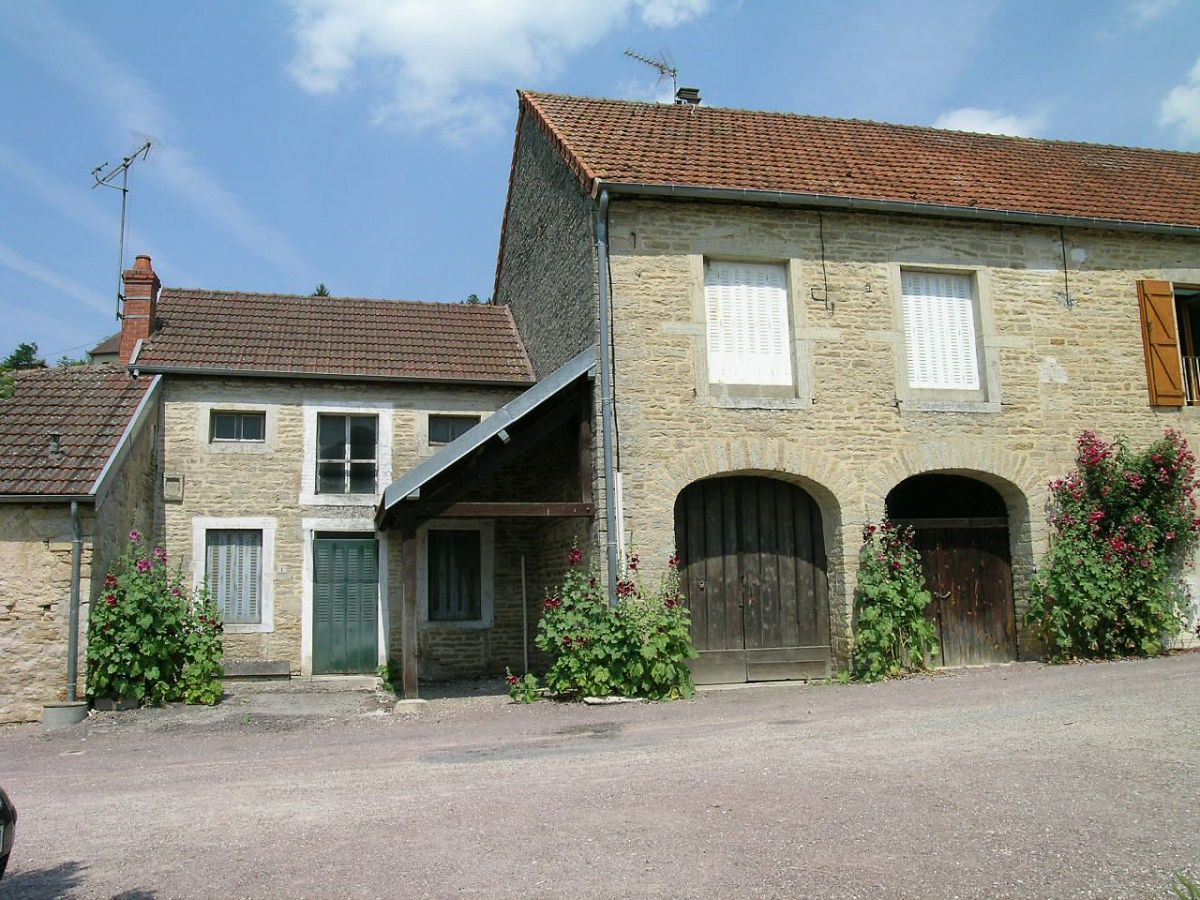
(487,572)
(987,398)
(383,451)
(201,525)
(308,528)
(801,338)
(204,413)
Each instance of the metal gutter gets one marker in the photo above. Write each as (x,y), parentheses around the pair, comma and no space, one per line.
(323,376)
(604,357)
(867,204)
(100,485)
(73,614)
(408,486)
(47,498)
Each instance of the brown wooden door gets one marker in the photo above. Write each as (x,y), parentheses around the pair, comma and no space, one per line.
(753,570)
(968,568)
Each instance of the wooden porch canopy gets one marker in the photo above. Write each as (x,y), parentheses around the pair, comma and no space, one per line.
(436,488)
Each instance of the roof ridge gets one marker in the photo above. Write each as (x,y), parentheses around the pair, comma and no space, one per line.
(218,292)
(856,121)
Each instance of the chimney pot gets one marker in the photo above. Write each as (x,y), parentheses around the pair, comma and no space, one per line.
(687,96)
(142,263)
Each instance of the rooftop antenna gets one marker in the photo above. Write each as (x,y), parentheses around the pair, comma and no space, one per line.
(105,175)
(662,62)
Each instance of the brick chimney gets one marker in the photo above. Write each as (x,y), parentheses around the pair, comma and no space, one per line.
(141,305)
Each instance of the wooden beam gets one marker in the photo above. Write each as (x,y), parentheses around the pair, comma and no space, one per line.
(408,608)
(486,510)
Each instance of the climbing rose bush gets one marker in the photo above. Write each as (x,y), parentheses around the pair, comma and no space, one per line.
(1124,525)
(148,639)
(638,648)
(891,632)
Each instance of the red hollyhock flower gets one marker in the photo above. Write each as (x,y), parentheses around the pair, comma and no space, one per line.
(575,557)
(673,562)
(110,581)
(110,600)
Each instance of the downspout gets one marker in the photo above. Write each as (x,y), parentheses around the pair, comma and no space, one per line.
(73,617)
(604,361)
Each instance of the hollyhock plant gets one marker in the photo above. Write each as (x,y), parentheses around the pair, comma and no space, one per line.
(1124,525)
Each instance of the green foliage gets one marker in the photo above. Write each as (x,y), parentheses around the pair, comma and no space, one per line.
(24,357)
(523,689)
(844,677)
(392,676)
(1124,525)
(891,632)
(6,384)
(66,361)
(320,291)
(638,648)
(1186,888)
(147,640)
(472,300)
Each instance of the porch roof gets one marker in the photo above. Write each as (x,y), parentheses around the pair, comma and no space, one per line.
(408,486)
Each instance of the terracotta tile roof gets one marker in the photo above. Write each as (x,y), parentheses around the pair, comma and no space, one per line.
(659,144)
(348,337)
(88,406)
(108,346)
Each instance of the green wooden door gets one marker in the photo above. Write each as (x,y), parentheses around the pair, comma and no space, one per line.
(345,605)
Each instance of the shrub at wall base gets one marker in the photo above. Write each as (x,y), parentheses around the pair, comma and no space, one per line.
(148,641)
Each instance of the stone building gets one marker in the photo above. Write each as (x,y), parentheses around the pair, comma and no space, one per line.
(806,320)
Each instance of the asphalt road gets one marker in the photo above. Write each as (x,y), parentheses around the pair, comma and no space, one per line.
(1019,781)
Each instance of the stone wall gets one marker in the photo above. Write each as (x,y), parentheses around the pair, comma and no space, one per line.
(853,431)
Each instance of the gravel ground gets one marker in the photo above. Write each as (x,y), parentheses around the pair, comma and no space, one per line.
(1017,781)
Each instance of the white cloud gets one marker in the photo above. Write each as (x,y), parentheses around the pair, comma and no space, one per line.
(992,121)
(129,104)
(1180,108)
(11,259)
(453,65)
(1143,12)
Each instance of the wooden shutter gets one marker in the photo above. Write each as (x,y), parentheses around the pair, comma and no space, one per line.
(939,331)
(749,338)
(1160,340)
(234,568)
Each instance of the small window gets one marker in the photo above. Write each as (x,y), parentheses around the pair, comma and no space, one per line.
(444,429)
(346,462)
(233,568)
(747,324)
(939,331)
(455,576)
(238,426)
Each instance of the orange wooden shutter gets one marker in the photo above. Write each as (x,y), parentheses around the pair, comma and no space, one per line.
(1160,339)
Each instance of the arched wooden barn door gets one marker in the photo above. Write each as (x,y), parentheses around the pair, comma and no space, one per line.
(961,532)
(753,569)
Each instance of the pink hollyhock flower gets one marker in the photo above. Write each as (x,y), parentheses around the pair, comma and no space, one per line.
(160,553)
(135,536)
(143,565)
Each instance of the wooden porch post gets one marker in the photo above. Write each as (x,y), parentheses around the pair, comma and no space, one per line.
(408,610)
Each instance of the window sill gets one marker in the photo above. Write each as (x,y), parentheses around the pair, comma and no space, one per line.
(950,406)
(261,628)
(339,499)
(755,402)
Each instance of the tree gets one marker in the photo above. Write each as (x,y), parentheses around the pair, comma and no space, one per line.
(320,291)
(24,357)
(472,300)
(66,360)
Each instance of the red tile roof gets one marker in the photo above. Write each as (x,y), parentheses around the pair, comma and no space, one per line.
(107,347)
(284,334)
(88,406)
(658,144)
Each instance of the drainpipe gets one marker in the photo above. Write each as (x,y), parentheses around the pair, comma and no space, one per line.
(73,618)
(604,360)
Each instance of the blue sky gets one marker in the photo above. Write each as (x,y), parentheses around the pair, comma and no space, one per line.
(366,143)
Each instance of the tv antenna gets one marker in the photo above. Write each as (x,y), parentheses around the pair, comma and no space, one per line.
(106,175)
(662,63)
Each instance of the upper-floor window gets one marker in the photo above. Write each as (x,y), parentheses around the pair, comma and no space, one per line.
(237,426)
(346,454)
(1171,341)
(940,322)
(443,428)
(748,335)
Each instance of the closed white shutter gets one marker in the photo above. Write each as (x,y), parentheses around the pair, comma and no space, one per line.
(234,568)
(749,339)
(939,331)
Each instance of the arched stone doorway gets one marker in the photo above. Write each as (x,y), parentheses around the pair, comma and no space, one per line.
(753,567)
(961,530)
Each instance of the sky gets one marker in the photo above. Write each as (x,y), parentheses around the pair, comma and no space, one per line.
(366,144)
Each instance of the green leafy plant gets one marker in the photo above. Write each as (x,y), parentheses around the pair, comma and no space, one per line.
(1186,888)
(637,648)
(891,632)
(147,640)
(523,689)
(1124,525)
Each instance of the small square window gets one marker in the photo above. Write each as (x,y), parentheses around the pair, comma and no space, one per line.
(444,429)
(238,426)
(346,449)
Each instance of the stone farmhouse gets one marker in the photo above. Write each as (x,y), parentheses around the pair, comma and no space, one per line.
(738,336)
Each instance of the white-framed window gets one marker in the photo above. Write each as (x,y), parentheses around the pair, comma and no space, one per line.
(235,558)
(940,330)
(747,326)
(336,466)
(456,566)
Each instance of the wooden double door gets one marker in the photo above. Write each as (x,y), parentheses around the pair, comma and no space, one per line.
(753,571)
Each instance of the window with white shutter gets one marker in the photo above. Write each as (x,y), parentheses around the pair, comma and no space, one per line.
(939,331)
(748,332)
(234,563)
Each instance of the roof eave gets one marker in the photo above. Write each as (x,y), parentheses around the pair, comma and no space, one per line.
(47,498)
(870,204)
(221,372)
